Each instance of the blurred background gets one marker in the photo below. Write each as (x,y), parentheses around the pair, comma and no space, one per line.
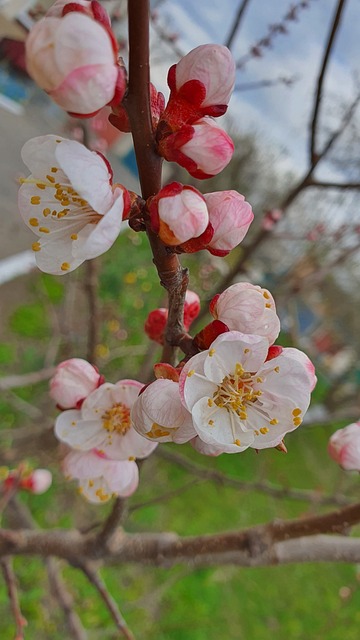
(308,256)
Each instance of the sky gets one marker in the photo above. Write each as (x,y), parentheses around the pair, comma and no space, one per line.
(279,114)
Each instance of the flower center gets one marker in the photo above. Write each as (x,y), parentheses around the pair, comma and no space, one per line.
(236,391)
(117,419)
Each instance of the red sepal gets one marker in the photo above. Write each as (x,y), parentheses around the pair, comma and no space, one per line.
(120,119)
(166,371)
(197,244)
(120,87)
(220,253)
(74,6)
(212,305)
(100,14)
(208,334)
(274,351)
(193,91)
(155,325)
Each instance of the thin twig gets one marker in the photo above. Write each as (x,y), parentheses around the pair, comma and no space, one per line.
(111,523)
(65,600)
(13,382)
(320,80)
(10,581)
(281,493)
(236,23)
(91,287)
(165,496)
(110,603)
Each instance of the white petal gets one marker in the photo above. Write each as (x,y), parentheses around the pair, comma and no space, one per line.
(122,478)
(224,429)
(39,156)
(193,383)
(94,240)
(81,41)
(78,433)
(129,445)
(96,490)
(231,348)
(98,402)
(87,173)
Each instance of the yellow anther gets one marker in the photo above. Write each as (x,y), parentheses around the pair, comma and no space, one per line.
(211,422)
(57,140)
(237,442)
(277,369)
(297,412)
(256,432)
(266,295)
(297,422)
(246,350)
(268,305)
(46,211)
(51,179)
(40,185)
(264,430)
(44,230)
(36,246)
(191,373)
(211,352)
(34,222)
(274,421)
(74,236)
(243,416)
(131,458)
(65,266)
(210,402)
(54,169)
(35,200)
(91,483)
(259,379)
(73,423)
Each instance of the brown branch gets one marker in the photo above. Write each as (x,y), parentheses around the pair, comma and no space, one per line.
(137,104)
(13,382)
(342,186)
(260,84)
(320,81)
(110,603)
(111,524)
(90,288)
(236,24)
(10,581)
(278,492)
(65,600)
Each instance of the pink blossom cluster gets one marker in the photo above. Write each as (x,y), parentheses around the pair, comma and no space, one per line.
(97,428)
(239,391)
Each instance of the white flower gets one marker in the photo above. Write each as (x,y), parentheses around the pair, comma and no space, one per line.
(104,423)
(159,415)
(69,203)
(238,399)
(249,309)
(344,447)
(100,478)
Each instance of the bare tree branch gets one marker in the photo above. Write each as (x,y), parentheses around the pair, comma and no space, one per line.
(65,600)
(110,603)
(10,581)
(236,23)
(277,492)
(320,81)
(90,287)
(13,382)
(342,186)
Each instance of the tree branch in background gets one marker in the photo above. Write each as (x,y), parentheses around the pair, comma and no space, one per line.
(90,288)
(320,80)
(65,600)
(277,492)
(110,603)
(288,81)
(236,23)
(10,581)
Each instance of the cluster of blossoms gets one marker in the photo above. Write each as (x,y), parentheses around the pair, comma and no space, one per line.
(238,389)
(69,200)
(95,424)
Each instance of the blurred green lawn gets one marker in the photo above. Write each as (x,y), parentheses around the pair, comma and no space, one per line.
(300,602)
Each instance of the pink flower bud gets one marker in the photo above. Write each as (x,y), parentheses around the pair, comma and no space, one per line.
(191,308)
(155,325)
(37,482)
(212,66)
(204,148)
(178,213)
(248,308)
(201,84)
(73,381)
(230,216)
(344,447)
(72,55)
